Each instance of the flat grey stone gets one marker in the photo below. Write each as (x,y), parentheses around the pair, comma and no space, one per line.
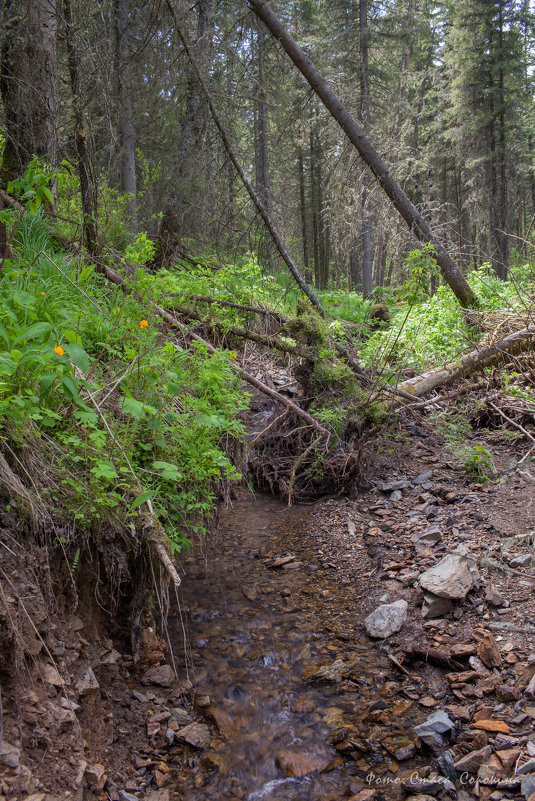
(386,619)
(453,577)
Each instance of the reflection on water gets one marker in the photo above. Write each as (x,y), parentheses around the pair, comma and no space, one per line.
(251,631)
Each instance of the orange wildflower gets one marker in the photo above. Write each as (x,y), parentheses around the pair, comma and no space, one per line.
(59,350)
(143,324)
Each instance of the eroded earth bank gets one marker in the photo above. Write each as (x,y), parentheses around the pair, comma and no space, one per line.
(281,691)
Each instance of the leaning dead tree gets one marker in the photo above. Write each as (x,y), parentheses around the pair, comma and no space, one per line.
(259,205)
(450,271)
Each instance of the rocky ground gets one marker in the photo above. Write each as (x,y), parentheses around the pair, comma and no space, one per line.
(426,571)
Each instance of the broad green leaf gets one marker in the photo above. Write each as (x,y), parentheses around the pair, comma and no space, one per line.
(72,336)
(34,330)
(168,471)
(136,408)
(78,356)
(70,386)
(104,469)
(145,496)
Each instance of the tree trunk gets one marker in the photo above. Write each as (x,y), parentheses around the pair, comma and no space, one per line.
(315,211)
(28,84)
(367,269)
(502,215)
(410,214)
(175,220)
(302,202)
(88,183)
(126,121)
(277,240)
(262,151)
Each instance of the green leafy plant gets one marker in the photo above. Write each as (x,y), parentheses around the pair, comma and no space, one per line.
(479,463)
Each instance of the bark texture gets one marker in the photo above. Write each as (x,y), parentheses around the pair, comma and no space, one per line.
(418,225)
(28,85)
(126,120)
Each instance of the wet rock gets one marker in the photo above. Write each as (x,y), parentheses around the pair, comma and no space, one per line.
(472,761)
(488,651)
(433,606)
(124,796)
(324,674)
(527,767)
(296,764)
(196,734)
(162,676)
(251,593)
(140,697)
(95,775)
(86,682)
(453,577)
(280,561)
(386,619)
(433,731)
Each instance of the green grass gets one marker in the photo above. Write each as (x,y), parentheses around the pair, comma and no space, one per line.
(125,411)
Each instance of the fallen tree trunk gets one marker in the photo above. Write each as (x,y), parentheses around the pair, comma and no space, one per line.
(280,318)
(476,359)
(416,222)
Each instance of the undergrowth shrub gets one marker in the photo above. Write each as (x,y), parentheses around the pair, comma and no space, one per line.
(101,410)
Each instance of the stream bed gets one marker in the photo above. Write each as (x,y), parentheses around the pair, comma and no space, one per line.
(302,705)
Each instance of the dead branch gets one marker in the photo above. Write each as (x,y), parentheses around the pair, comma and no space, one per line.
(116,279)
(511,422)
(477,359)
(280,318)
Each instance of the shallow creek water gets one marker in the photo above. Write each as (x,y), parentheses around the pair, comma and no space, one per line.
(253,632)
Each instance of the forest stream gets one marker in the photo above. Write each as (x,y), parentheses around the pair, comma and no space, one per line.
(293,684)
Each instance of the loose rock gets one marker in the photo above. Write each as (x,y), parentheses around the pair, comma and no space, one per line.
(386,619)
(432,730)
(453,577)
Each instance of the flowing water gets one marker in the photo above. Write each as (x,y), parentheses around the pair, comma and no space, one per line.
(253,633)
